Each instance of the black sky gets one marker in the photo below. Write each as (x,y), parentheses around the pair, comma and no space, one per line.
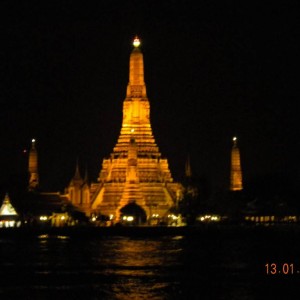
(212,70)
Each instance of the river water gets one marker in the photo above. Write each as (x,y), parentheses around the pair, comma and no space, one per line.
(219,264)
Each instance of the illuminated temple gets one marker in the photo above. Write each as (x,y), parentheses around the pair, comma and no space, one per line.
(236,183)
(135,179)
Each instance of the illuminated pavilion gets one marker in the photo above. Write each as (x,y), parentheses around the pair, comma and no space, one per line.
(8,214)
(135,178)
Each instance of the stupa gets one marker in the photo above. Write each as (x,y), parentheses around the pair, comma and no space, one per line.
(33,168)
(135,173)
(236,183)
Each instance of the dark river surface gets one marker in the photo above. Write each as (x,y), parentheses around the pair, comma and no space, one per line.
(219,263)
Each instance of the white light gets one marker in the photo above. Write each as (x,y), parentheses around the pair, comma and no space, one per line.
(8,211)
(173,217)
(132,130)
(43,218)
(62,237)
(136,42)
(93,219)
(234,138)
(207,218)
(43,236)
(33,140)
(111,217)
(130,218)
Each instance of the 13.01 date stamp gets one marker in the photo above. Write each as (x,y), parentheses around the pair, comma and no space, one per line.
(281,268)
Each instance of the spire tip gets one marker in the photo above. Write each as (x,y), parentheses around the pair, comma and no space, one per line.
(136,42)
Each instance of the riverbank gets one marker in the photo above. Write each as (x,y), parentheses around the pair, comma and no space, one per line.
(148,231)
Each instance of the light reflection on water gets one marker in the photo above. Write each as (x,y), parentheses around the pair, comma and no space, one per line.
(198,267)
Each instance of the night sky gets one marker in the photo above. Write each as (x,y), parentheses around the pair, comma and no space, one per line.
(212,71)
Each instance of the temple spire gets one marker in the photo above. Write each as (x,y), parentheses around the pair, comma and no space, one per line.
(74,188)
(33,167)
(136,109)
(77,175)
(188,169)
(86,175)
(236,171)
(135,172)
(136,87)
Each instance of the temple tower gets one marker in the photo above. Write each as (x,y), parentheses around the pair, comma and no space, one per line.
(78,191)
(74,188)
(188,169)
(135,171)
(236,171)
(191,188)
(33,167)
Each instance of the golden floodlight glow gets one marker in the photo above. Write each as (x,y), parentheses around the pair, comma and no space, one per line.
(135,162)
(235,172)
(136,42)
